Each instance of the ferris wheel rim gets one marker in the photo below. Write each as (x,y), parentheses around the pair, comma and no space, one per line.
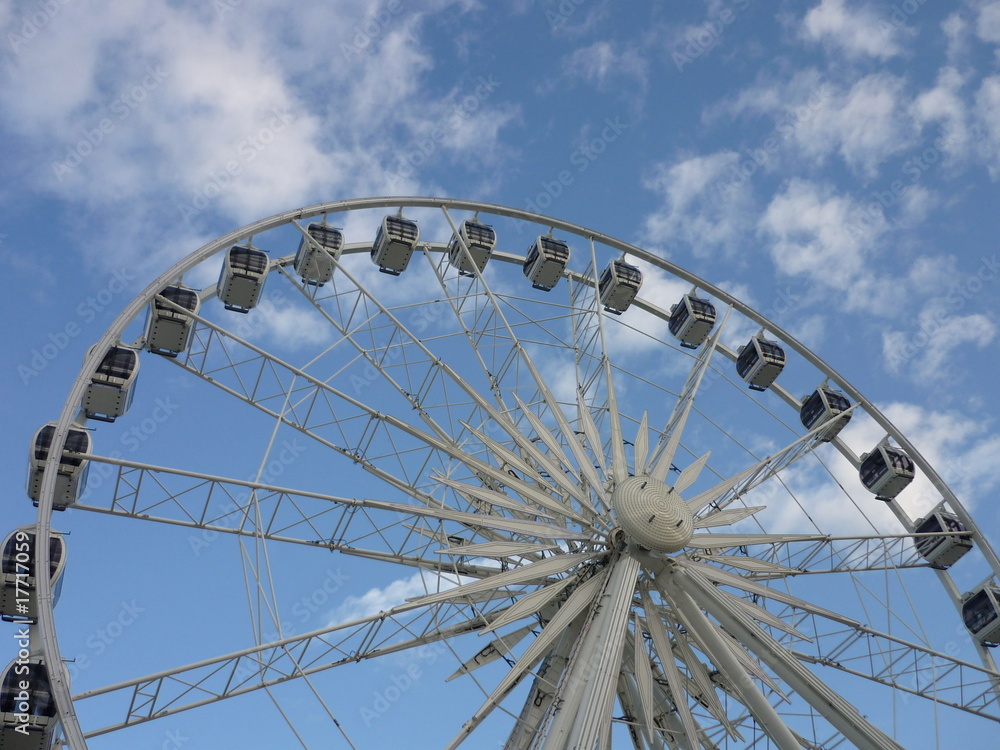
(112,334)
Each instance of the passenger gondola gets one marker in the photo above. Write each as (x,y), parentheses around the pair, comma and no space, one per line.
(545,262)
(244,271)
(886,471)
(394,244)
(618,285)
(18,602)
(314,261)
(480,239)
(27,709)
(980,611)
(823,405)
(168,330)
(941,551)
(72,476)
(759,362)
(109,393)
(691,320)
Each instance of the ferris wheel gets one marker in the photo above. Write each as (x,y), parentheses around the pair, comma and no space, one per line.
(630,510)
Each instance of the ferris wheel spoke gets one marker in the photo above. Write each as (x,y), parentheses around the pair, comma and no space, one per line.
(393,353)
(855,649)
(502,334)
(529,490)
(579,600)
(819,554)
(833,707)
(503,331)
(667,660)
(633,713)
(262,666)
(541,696)
(225,505)
(496,649)
(697,623)
(644,678)
(698,684)
(532,603)
(664,453)
(728,490)
(312,411)
(592,676)
(370,426)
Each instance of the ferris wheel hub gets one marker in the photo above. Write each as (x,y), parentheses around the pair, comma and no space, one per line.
(652,514)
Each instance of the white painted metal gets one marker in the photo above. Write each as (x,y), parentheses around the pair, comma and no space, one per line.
(564,467)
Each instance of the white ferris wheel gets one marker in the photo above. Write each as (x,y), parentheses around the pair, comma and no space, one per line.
(640,513)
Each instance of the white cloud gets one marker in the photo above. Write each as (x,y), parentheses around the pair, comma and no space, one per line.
(958,448)
(605,63)
(864,123)
(809,229)
(377,600)
(987,111)
(855,31)
(206,116)
(988,22)
(928,352)
(956,31)
(707,203)
(944,104)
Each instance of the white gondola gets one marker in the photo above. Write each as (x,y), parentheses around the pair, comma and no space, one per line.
(691,320)
(394,244)
(545,262)
(823,405)
(941,551)
(314,261)
(480,239)
(886,471)
(112,386)
(27,709)
(17,574)
(759,362)
(72,476)
(980,612)
(241,281)
(618,285)
(168,331)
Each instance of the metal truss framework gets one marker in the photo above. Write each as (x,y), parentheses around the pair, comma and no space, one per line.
(518,474)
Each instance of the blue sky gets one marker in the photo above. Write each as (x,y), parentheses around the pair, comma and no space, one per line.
(833,164)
